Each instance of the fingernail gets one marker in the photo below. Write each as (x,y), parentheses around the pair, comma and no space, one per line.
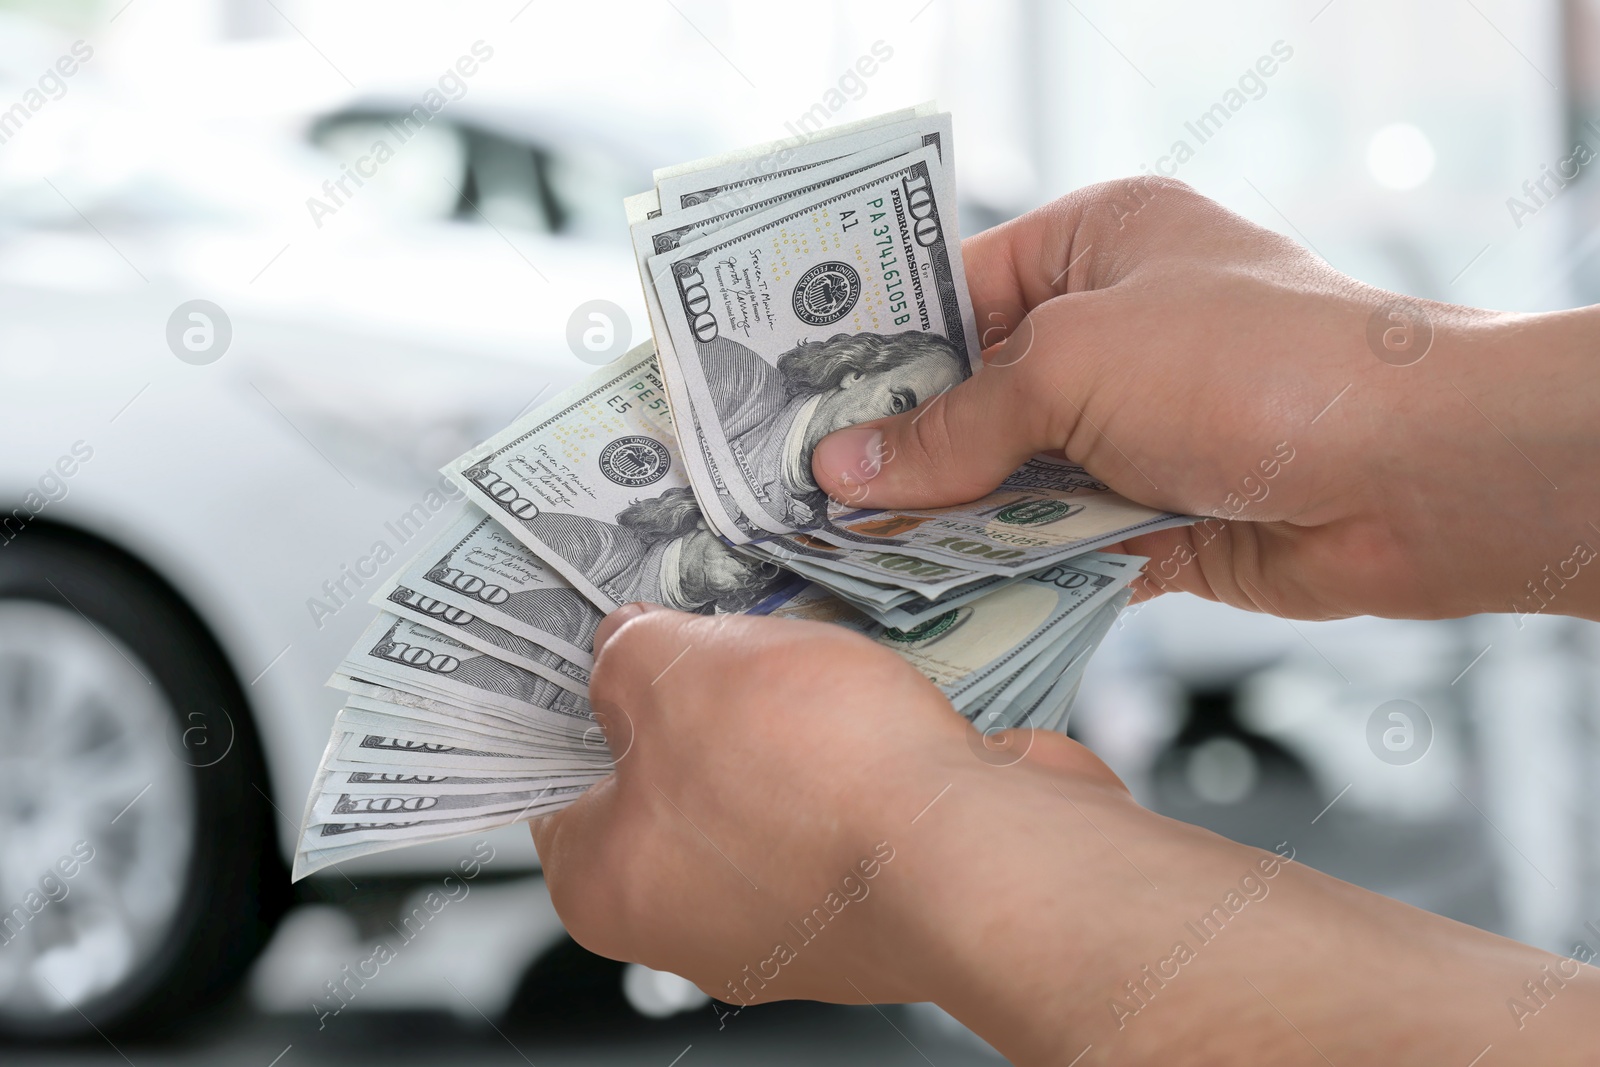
(850,456)
(613,622)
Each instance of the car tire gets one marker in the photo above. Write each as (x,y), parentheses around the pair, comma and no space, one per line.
(125,908)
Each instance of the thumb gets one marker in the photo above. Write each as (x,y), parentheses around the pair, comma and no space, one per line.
(957,446)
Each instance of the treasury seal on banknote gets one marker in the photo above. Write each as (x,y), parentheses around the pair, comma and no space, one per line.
(635,461)
(826,293)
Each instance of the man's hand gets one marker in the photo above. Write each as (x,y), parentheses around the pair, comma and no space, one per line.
(1198,363)
(770,778)
(797,813)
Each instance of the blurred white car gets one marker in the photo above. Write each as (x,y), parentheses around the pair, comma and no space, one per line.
(196,501)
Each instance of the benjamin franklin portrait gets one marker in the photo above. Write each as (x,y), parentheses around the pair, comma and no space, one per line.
(774,416)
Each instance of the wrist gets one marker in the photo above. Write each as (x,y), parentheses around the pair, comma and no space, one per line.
(1486,466)
(1025,908)
(1551,380)
(1093,922)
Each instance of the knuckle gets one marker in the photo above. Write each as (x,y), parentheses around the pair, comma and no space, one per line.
(1112,207)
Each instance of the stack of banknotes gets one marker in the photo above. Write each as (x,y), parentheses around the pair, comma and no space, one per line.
(793,288)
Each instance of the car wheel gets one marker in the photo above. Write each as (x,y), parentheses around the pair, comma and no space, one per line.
(138,870)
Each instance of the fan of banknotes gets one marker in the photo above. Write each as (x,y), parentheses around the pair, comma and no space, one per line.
(793,288)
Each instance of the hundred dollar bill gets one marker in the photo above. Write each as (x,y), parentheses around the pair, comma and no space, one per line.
(967,649)
(1119,565)
(1045,704)
(731,514)
(654,234)
(1045,512)
(387,781)
(475,631)
(461,733)
(717,207)
(1029,675)
(329,844)
(872,597)
(966,652)
(593,483)
(477,566)
(364,751)
(810,555)
(1026,697)
(324,842)
(429,713)
(1122,568)
(432,706)
(436,714)
(421,732)
(1049,712)
(404,828)
(890,605)
(749,308)
(427,805)
(418,659)
(1011,625)
(684,184)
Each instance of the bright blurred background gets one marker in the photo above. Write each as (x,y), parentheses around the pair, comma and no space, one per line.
(194,152)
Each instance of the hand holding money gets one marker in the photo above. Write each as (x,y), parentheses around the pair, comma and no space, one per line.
(720,807)
(1113,329)
(835,840)
(713,795)
(793,291)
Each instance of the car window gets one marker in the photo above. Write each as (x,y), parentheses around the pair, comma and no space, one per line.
(417,172)
(510,190)
(589,184)
(446,170)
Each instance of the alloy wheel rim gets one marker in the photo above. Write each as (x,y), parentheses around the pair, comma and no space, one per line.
(90,766)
